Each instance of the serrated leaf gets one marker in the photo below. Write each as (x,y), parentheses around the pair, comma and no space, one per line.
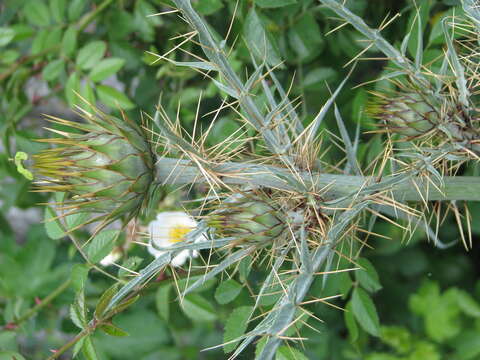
(132,263)
(106,68)
(69,40)
(350,323)
(89,55)
(37,13)
(235,326)
(119,308)
(259,41)
(289,353)
(101,245)
(197,308)
(78,311)
(113,330)
(162,300)
(79,275)
(6,35)
(52,227)
(227,291)
(104,301)
(78,346)
(365,312)
(88,349)
(244,268)
(114,98)
(367,276)
(305,37)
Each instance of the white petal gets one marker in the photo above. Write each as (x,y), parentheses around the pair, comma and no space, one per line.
(180,259)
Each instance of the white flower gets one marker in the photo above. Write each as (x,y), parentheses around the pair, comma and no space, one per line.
(169,228)
(114,255)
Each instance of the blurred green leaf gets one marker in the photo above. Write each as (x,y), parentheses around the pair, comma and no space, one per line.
(90,55)
(106,68)
(72,89)
(259,41)
(235,327)
(37,13)
(367,276)
(274,3)
(114,98)
(227,291)
(208,7)
(101,245)
(57,9)
(53,70)
(75,9)
(162,300)
(69,41)
(113,330)
(305,38)
(351,323)
(6,35)
(289,353)
(197,308)
(365,312)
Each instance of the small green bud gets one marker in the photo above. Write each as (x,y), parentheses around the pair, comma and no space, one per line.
(249,219)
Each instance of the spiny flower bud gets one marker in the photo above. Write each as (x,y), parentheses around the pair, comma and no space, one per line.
(409,114)
(105,166)
(248,219)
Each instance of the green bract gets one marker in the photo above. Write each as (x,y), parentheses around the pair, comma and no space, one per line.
(106,169)
(408,113)
(248,219)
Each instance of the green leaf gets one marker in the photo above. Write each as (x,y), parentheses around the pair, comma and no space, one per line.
(69,41)
(72,88)
(397,337)
(88,350)
(208,7)
(37,13)
(52,227)
(79,276)
(6,35)
(75,9)
(53,70)
(235,327)
(78,311)
(162,300)
(57,9)
(350,323)
(198,309)
(105,300)
(227,291)
(106,68)
(261,43)
(367,276)
(114,98)
(113,330)
(467,304)
(78,346)
(274,3)
(365,312)
(289,353)
(101,245)
(305,37)
(89,55)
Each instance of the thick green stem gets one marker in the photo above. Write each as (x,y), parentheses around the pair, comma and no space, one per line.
(176,171)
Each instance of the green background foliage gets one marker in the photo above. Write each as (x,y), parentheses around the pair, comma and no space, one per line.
(409,301)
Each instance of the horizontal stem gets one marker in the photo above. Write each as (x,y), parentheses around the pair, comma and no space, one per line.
(177,171)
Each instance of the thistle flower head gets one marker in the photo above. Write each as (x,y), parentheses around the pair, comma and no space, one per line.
(105,166)
(251,219)
(408,113)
